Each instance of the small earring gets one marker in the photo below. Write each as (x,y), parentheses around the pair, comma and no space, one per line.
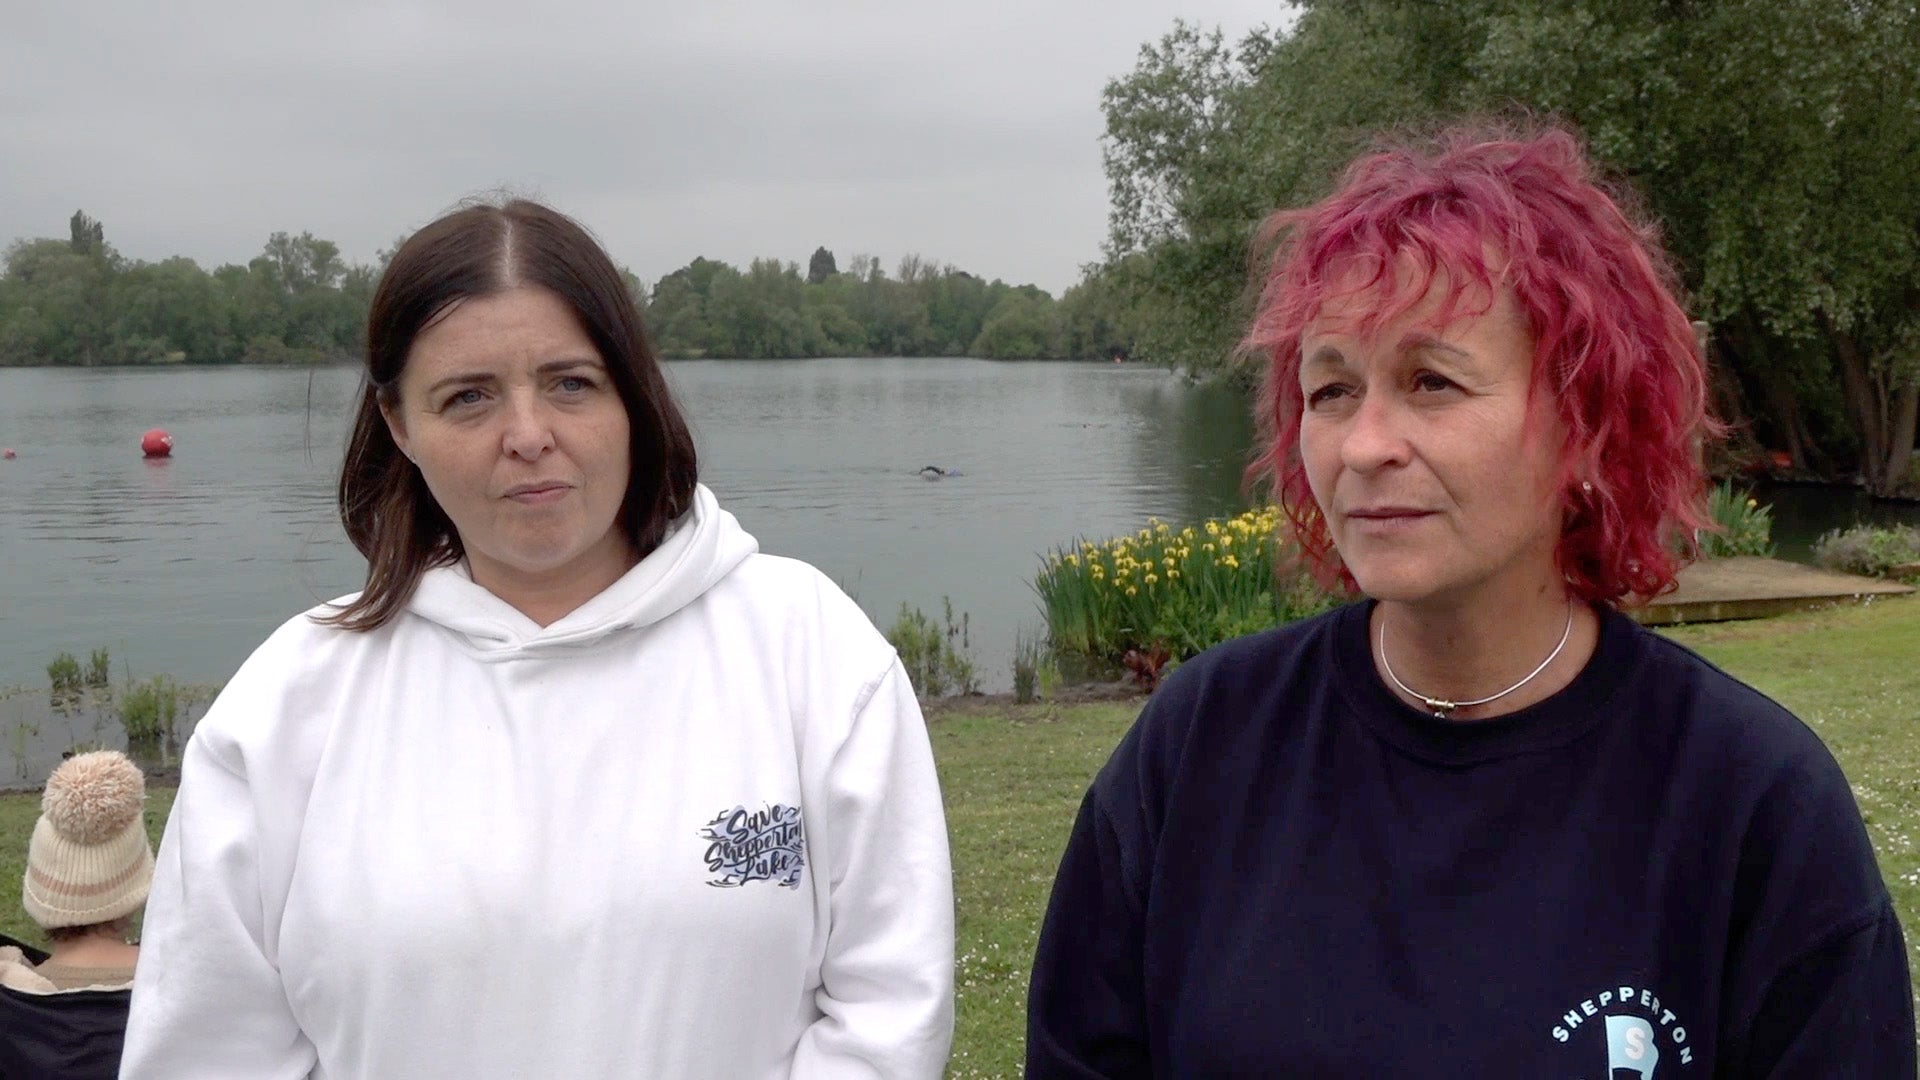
(1586,487)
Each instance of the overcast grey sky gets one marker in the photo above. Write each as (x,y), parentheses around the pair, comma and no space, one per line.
(966,131)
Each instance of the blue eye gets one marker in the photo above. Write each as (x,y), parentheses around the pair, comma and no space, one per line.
(574,384)
(465,397)
(1427,380)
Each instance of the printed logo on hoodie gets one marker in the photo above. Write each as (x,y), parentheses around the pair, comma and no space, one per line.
(744,845)
(1637,1026)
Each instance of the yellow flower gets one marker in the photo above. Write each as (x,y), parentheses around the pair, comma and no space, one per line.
(1131,590)
(1753,504)
(1169,562)
(1213,528)
(1206,547)
(1230,561)
(1152,578)
(1173,575)
(1073,560)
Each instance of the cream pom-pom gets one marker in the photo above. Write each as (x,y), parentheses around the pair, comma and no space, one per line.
(92,796)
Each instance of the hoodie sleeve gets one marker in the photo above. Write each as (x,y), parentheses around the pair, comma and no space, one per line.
(207,999)
(887,977)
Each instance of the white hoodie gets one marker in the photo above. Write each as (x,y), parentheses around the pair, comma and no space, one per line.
(690,830)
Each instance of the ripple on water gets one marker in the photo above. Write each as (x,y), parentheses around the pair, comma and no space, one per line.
(191,563)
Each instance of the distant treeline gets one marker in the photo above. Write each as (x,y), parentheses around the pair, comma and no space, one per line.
(709,308)
(79,302)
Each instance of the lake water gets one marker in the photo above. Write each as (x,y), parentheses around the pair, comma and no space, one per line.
(183,566)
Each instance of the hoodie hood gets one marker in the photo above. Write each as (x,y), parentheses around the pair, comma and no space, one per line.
(702,547)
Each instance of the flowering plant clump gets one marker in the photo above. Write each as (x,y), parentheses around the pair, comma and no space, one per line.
(1744,524)
(1181,589)
(1889,551)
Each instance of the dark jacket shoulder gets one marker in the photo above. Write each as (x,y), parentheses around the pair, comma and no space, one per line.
(1211,697)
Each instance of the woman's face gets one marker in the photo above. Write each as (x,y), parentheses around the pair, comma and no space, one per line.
(507,408)
(1416,446)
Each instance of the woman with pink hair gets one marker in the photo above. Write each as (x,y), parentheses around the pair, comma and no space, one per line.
(1479,823)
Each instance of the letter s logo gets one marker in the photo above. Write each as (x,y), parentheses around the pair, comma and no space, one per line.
(1630,1046)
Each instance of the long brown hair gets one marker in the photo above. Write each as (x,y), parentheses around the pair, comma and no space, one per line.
(384,503)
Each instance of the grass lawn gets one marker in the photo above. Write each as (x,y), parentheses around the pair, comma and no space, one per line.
(1013,778)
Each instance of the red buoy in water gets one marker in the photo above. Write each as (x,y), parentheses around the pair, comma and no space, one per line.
(8,454)
(156,443)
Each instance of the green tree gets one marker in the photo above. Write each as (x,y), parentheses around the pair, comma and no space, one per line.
(821,266)
(85,235)
(635,288)
(709,308)
(78,301)
(1020,327)
(957,307)
(1093,318)
(676,315)
(865,268)
(1775,141)
(762,314)
(58,302)
(840,333)
(894,314)
(170,310)
(302,263)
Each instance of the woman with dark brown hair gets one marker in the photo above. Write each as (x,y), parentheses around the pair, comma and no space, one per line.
(580,784)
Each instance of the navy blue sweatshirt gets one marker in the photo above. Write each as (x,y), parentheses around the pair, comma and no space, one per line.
(1283,870)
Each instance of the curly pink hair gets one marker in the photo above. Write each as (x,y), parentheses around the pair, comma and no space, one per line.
(1614,352)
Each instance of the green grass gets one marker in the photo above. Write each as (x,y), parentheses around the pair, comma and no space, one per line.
(1013,777)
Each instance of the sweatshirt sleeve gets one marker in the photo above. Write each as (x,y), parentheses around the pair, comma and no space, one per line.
(1817,980)
(887,977)
(1086,1009)
(1844,1007)
(207,999)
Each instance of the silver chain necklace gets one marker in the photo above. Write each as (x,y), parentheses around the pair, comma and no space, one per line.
(1443,708)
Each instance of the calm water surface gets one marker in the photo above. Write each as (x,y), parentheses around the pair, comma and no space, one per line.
(182,567)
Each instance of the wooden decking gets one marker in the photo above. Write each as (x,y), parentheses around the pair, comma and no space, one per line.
(1751,588)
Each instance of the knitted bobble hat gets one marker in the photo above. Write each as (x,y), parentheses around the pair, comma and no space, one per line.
(89,860)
